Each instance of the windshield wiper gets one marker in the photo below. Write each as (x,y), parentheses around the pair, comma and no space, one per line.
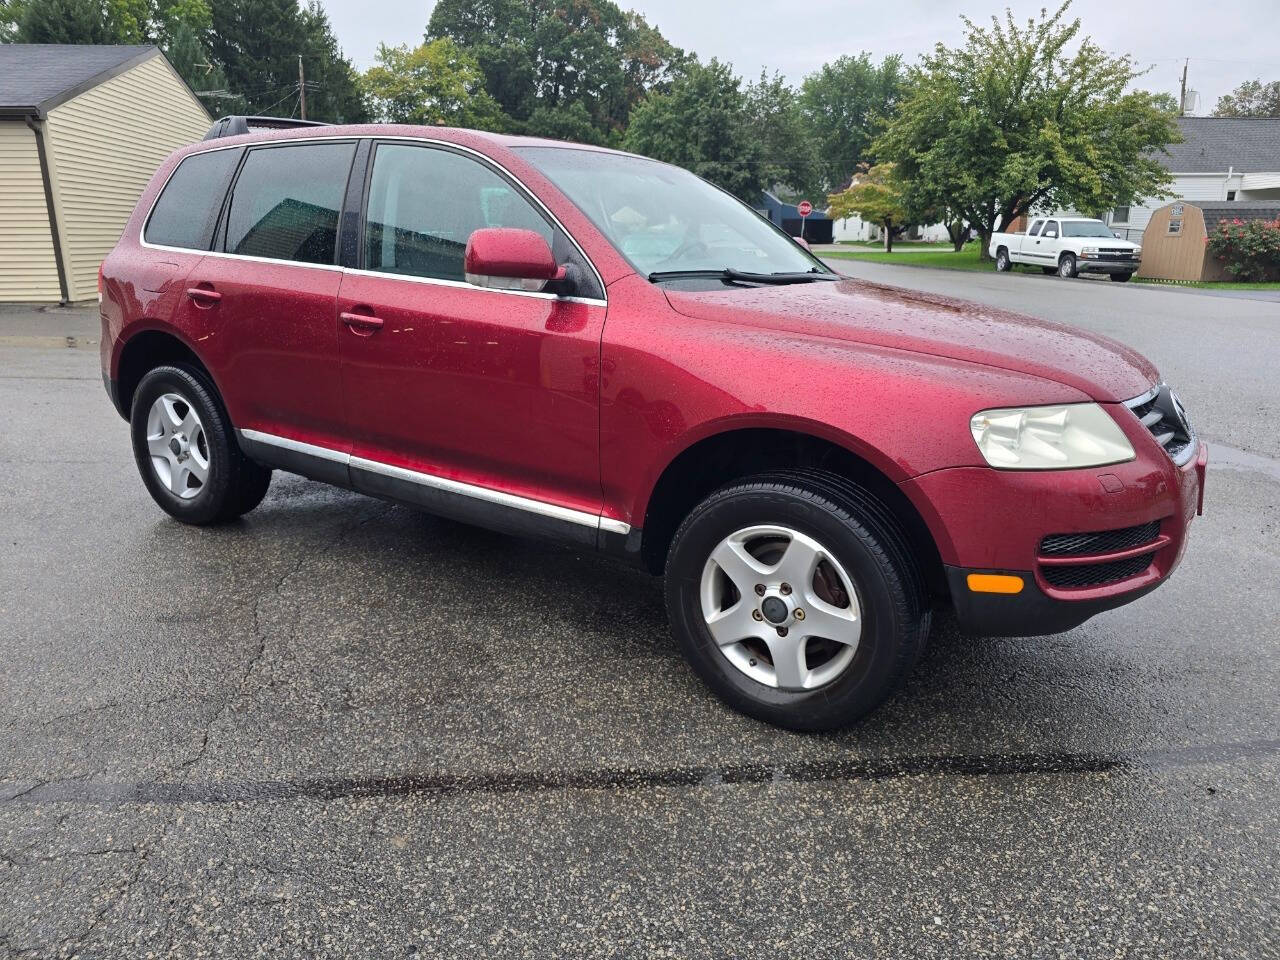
(730,275)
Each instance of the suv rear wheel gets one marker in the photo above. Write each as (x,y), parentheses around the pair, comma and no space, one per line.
(795,597)
(1003,263)
(186,451)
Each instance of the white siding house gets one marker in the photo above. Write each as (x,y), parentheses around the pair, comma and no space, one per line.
(1220,158)
(82,128)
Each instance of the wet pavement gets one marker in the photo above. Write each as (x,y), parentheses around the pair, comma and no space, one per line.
(339,728)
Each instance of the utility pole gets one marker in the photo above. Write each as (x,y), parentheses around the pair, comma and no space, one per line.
(1182,93)
(302,87)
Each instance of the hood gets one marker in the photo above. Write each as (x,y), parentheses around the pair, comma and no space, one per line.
(861,312)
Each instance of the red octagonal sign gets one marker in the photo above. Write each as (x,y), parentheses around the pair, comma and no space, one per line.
(805,208)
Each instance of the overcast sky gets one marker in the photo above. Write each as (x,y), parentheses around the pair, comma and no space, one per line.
(1228,43)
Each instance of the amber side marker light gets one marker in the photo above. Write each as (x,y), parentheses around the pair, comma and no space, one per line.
(994,583)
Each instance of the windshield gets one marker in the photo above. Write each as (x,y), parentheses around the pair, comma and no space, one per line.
(664,219)
(1086,228)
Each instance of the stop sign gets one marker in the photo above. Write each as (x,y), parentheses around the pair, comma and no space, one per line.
(805,208)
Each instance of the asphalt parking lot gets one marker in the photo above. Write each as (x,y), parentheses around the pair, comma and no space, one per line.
(340,728)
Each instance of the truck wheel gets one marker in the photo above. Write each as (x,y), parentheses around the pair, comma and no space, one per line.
(1067,266)
(186,451)
(1121,277)
(1003,263)
(795,597)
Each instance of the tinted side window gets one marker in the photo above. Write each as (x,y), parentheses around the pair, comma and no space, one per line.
(1050,228)
(425,203)
(285,203)
(187,210)
(1035,229)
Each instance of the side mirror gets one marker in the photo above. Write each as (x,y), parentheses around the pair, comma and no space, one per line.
(506,258)
(803,242)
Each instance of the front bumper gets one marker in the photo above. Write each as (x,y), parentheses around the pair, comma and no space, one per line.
(989,521)
(1107,266)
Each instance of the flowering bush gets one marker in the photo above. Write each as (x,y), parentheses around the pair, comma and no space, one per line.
(1251,251)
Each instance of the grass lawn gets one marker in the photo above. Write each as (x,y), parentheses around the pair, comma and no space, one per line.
(943,256)
(947,259)
(1209,284)
(898,244)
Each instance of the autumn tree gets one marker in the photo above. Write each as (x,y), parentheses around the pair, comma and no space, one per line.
(1025,116)
(876,195)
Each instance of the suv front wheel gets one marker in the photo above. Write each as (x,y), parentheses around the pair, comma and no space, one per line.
(186,451)
(795,597)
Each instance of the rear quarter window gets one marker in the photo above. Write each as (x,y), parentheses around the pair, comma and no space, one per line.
(187,210)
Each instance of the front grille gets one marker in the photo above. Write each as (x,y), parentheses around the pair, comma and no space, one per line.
(1104,541)
(1162,414)
(1116,252)
(1097,574)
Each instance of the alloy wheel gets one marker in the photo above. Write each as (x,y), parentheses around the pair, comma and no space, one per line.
(178,446)
(780,607)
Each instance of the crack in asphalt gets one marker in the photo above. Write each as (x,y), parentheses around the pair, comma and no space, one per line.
(823,771)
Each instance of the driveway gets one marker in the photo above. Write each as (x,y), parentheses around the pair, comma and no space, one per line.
(340,728)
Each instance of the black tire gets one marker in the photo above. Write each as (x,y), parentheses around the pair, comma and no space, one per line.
(1121,277)
(867,541)
(234,485)
(1067,266)
(1003,263)
(1049,271)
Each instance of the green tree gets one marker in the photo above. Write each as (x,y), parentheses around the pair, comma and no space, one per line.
(702,124)
(546,55)
(257,43)
(1251,99)
(64,21)
(1014,120)
(434,83)
(876,195)
(570,122)
(845,103)
(778,124)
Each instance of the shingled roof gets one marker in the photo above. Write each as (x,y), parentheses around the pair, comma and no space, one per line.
(1246,210)
(1216,144)
(36,77)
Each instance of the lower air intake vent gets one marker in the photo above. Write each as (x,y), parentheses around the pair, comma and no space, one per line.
(1105,541)
(1097,574)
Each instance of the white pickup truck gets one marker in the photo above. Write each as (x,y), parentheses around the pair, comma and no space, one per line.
(1067,246)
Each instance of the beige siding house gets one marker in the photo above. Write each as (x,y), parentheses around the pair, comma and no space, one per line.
(82,128)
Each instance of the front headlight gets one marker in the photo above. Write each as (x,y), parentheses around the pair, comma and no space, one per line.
(1088,251)
(1050,438)
(1137,251)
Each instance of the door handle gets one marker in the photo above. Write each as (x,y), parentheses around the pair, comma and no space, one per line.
(203,295)
(362,323)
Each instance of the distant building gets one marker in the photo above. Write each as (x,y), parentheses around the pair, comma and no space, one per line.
(1220,159)
(82,129)
(817,226)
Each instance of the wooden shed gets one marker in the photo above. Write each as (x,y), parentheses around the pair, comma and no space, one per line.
(82,128)
(1174,243)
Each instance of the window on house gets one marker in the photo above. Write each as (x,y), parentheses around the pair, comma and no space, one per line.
(1231,194)
(1120,215)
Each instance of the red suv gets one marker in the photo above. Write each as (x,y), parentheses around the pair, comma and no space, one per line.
(577,343)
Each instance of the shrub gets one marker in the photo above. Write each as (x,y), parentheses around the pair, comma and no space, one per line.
(1251,251)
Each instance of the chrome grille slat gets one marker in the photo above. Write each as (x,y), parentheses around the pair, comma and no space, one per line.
(1159,411)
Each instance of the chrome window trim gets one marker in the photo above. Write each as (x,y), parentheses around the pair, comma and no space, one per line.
(501,498)
(374,139)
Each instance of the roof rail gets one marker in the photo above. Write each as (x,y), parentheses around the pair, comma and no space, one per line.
(234,126)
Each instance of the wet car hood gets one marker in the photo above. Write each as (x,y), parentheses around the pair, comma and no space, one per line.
(861,312)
